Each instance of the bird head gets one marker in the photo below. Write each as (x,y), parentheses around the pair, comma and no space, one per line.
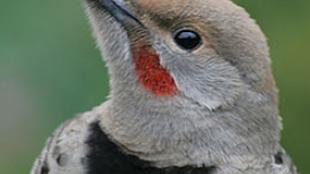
(209,51)
(195,70)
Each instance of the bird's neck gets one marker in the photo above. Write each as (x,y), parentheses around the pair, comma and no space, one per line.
(175,131)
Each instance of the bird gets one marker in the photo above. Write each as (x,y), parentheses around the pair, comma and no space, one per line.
(192,92)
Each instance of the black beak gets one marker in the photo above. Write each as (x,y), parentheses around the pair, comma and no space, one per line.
(120,11)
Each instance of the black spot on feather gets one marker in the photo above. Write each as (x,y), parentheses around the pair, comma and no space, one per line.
(279,158)
(45,169)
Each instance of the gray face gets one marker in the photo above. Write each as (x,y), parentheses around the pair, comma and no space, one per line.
(225,108)
(232,58)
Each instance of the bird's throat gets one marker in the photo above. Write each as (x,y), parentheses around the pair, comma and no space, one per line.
(151,74)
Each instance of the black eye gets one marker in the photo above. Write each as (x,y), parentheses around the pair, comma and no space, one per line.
(187,39)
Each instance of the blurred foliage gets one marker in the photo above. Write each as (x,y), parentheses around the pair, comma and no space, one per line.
(50,70)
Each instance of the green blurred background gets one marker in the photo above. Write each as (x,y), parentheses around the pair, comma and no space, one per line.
(50,70)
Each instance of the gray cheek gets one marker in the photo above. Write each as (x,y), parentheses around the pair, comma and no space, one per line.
(212,82)
(206,79)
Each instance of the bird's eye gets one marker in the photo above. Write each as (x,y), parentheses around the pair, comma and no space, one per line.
(187,39)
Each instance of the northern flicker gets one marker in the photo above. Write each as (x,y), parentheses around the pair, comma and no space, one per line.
(192,92)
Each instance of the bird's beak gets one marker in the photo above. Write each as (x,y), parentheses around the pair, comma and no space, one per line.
(120,11)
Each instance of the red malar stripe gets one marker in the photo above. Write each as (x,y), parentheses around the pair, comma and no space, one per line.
(151,74)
